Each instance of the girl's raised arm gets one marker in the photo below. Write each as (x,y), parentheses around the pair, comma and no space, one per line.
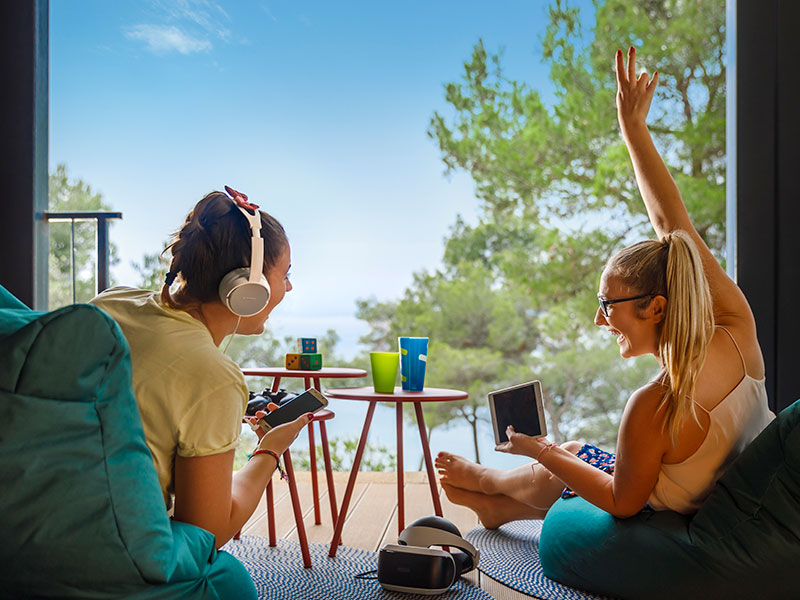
(661,196)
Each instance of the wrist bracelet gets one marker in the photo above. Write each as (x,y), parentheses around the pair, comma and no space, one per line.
(273,455)
(544,450)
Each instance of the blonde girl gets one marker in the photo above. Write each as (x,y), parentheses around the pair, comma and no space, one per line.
(669,298)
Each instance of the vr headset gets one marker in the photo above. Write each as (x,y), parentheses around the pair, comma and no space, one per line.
(414,567)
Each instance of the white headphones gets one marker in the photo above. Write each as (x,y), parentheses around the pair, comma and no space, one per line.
(245,291)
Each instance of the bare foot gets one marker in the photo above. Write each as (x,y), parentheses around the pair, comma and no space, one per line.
(478,502)
(493,511)
(459,472)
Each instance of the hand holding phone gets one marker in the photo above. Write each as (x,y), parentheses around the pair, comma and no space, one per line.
(309,401)
(280,437)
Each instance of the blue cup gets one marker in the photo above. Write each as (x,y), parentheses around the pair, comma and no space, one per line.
(413,358)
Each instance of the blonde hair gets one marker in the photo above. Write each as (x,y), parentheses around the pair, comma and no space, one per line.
(672,267)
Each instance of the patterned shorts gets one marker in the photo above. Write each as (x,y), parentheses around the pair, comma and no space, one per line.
(597,458)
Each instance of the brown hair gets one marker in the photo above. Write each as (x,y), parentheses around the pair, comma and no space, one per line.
(214,240)
(672,268)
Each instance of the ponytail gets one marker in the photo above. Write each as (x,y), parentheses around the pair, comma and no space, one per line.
(672,268)
(687,328)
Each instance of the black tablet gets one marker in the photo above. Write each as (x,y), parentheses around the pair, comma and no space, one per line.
(521,407)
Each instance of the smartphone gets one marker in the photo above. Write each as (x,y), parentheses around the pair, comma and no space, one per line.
(520,406)
(309,401)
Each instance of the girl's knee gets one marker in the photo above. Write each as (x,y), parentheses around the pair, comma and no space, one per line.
(571,446)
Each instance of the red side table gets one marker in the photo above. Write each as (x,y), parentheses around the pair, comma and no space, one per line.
(399,396)
(319,417)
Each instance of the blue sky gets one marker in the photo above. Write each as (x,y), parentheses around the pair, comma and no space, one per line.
(317,110)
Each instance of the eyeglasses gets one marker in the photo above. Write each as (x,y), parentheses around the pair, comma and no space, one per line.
(604,304)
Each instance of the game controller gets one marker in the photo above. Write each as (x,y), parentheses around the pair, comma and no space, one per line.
(262,399)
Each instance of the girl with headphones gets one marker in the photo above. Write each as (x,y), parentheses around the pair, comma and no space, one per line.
(670,298)
(229,270)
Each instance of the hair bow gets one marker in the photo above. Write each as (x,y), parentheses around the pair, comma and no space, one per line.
(240,199)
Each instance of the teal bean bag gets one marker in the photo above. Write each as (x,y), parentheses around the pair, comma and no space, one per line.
(81,510)
(743,543)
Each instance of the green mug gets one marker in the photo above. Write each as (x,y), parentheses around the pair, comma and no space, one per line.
(384,370)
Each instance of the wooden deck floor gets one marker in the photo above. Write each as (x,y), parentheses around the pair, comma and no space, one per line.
(372,517)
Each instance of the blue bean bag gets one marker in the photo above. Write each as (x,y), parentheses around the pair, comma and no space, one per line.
(81,510)
(744,542)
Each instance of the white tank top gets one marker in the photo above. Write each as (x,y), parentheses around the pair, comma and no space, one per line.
(733,424)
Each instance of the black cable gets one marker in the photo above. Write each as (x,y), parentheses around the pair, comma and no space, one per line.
(365,573)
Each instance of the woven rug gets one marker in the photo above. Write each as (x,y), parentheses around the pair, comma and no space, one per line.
(510,555)
(279,574)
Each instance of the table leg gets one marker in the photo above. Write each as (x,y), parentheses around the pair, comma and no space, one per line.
(298,512)
(426,451)
(326,455)
(271,514)
(268,492)
(317,384)
(351,481)
(312,454)
(401,510)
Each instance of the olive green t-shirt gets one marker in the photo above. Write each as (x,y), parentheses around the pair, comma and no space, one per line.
(191,396)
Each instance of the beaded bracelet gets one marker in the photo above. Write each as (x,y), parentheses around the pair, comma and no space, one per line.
(273,455)
(543,451)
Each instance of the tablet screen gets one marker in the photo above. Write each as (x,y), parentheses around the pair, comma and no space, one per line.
(516,407)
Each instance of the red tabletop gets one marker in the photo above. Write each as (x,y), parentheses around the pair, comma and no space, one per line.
(323,373)
(428,394)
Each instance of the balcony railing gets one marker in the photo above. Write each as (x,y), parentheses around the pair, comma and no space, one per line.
(102,219)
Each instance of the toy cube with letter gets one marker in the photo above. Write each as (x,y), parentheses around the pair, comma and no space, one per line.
(307,345)
(311,361)
(293,361)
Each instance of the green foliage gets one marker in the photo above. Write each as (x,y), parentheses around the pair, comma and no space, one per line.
(67,195)
(152,270)
(551,163)
(267,350)
(585,386)
(343,452)
(477,336)
(474,370)
(515,296)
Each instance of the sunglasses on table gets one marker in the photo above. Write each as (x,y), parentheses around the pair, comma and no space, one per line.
(604,304)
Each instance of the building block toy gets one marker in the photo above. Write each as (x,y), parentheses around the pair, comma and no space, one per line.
(311,361)
(293,361)
(307,345)
(305,361)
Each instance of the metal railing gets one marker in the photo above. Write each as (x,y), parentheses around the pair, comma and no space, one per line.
(102,219)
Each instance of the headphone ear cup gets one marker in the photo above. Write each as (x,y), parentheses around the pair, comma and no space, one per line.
(241,296)
(463,562)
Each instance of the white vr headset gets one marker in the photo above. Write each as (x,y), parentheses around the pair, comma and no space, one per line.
(414,567)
